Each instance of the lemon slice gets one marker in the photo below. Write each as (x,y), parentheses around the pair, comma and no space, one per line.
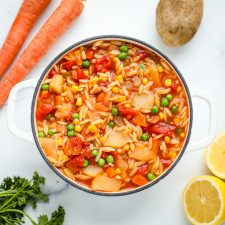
(204,199)
(215,157)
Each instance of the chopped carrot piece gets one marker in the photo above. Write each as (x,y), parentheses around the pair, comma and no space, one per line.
(101,108)
(101,97)
(139,180)
(111,171)
(44,94)
(140,119)
(83,97)
(59,100)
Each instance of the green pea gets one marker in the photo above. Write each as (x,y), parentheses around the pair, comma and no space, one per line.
(75,116)
(48,116)
(142,66)
(123,56)
(86,163)
(45,87)
(86,63)
(155,109)
(71,133)
(164,102)
(94,152)
(41,134)
(110,159)
(179,131)
(51,132)
(144,137)
(169,97)
(123,48)
(115,111)
(111,124)
(174,108)
(101,162)
(70,126)
(150,176)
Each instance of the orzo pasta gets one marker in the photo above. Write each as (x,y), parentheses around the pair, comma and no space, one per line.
(112,115)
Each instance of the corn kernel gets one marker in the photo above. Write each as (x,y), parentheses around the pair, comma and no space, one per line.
(182,134)
(144,81)
(95,80)
(168,82)
(115,90)
(118,171)
(178,88)
(127,105)
(160,69)
(102,140)
(75,89)
(64,157)
(120,98)
(126,147)
(79,101)
(161,116)
(120,78)
(173,155)
(78,128)
(176,120)
(86,73)
(76,121)
(92,128)
(60,142)
(167,139)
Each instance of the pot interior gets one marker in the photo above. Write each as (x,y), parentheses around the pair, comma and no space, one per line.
(154,53)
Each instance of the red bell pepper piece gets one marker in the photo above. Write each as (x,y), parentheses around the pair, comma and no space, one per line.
(104,64)
(69,64)
(43,110)
(80,74)
(162,128)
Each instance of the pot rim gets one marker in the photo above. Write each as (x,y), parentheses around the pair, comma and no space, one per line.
(84,42)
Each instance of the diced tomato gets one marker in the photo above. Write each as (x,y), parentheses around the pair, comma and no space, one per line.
(52,73)
(100,107)
(44,94)
(142,54)
(104,64)
(90,53)
(80,160)
(104,155)
(43,110)
(72,165)
(128,113)
(166,162)
(87,153)
(101,97)
(80,74)
(143,169)
(72,146)
(162,128)
(69,64)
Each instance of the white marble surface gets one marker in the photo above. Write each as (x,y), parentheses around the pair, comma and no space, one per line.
(202,62)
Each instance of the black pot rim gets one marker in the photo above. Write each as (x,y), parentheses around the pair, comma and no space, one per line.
(105,37)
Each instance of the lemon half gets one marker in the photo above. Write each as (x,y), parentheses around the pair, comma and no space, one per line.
(215,157)
(204,199)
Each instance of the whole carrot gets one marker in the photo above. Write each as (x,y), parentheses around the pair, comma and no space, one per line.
(55,26)
(28,14)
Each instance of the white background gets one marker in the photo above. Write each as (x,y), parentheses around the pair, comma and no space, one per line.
(202,63)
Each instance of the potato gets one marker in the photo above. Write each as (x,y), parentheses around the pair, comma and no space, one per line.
(102,183)
(49,146)
(178,21)
(56,84)
(143,101)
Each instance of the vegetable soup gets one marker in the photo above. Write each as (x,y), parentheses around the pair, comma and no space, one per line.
(112,116)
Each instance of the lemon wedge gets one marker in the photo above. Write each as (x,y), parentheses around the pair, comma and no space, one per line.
(215,157)
(204,199)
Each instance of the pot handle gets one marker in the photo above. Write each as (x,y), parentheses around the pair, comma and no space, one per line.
(195,93)
(11,110)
